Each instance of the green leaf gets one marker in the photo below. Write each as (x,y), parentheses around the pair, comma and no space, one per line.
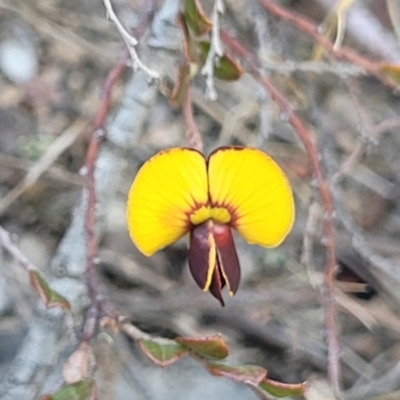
(191,46)
(280,389)
(84,390)
(49,297)
(162,352)
(226,69)
(209,346)
(241,373)
(195,18)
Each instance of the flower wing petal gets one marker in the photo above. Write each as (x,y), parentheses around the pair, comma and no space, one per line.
(254,189)
(166,189)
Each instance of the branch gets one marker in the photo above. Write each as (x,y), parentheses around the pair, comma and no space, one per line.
(343,53)
(192,132)
(91,245)
(369,131)
(51,334)
(23,261)
(131,43)
(216,51)
(65,140)
(366,28)
(326,200)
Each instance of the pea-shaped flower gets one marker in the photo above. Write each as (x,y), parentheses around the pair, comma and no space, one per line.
(180,191)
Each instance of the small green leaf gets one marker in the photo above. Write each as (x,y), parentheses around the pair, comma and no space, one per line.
(226,69)
(162,352)
(195,18)
(204,49)
(84,390)
(280,389)
(181,86)
(49,297)
(191,46)
(209,346)
(241,373)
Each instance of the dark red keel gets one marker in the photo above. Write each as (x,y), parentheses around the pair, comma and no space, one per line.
(213,260)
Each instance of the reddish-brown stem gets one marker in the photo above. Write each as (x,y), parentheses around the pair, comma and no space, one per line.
(98,304)
(192,133)
(91,156)
(91,249)
(342,53)
(112,77)
(329,240)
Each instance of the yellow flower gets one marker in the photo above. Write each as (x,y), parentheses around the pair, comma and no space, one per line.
(179,191)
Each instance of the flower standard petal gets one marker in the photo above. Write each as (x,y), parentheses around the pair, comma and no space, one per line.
(249,184)
(165,191)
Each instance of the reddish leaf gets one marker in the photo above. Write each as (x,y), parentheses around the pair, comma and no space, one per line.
(226,69)
(49,297)
(162,352)
(210,346)
(195,18)
(280,389)
(84,390)
(241,373)
(181,86)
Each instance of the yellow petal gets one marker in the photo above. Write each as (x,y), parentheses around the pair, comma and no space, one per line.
(166,189)
(254,189)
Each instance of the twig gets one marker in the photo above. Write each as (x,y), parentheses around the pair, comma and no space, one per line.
(55,173)
(96,299)
(192,133)
(384,270)
(343,53)
(364,115)
(215,52)
(47,339)
(393,8)
(131,43)
(326,200)
(348,163)
(57,147)
(64,35)
(6,242)
(288,67)
(91,248)
(384,126)
(366,122)
(370,134)
(368,30)
(133,331)
(262,30)
(306,258)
